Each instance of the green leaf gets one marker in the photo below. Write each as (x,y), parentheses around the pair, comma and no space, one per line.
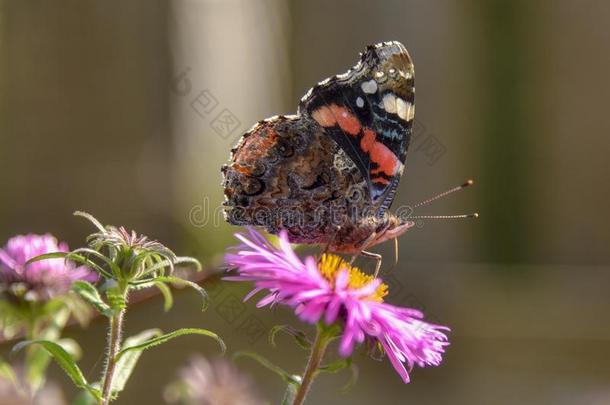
(339,365)
(178,280)
(37,359)
(352,380)
(169,336)
(90,294)
(70,256)
(299,337)
(189,260)
(127,363)
(329,332)
(166,292)
(84,397)
(152,262)
(91,218)
(87,251)
(284,375)
(161,264)
(290,394)
(61,356)
(63,359)
(71,347)
(46,256)
(335,366)
(88,262)
(7,372)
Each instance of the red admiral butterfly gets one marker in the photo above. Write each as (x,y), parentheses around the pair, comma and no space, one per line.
(329,173)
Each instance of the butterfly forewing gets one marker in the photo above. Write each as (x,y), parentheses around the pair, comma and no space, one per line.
(369,112)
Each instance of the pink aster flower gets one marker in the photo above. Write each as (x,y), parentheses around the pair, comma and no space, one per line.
(331,290)
(41,280)
(212,382)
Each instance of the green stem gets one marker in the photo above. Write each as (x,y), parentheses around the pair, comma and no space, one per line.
(323,337)
(31,333)
(115,336)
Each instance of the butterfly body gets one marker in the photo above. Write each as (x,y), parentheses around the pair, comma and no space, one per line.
(328,174)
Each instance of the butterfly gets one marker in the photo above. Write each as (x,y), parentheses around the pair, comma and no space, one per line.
(329,173)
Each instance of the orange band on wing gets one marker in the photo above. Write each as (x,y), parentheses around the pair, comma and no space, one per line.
(368,140)
(329,116)
(386,160)
(347,121)
(324,116)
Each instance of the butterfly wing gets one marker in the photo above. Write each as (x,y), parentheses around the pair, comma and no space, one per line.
(368,111)
(286,173)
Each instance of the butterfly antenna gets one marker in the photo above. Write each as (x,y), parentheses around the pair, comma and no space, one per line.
(444,194)
(461,216)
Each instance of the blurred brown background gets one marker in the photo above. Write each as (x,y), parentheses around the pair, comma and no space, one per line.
(128,109)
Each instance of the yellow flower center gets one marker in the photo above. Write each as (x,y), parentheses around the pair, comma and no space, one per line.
(330,265)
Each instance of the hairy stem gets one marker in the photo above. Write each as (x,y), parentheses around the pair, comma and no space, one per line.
(115,337)
(313,363)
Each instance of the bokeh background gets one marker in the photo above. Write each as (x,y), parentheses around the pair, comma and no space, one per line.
(128,109)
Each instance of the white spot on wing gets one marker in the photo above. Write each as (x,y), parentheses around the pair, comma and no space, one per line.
(369,87)
(404,109)
(389,103)
(307,95)
(344,75)
(410,112)
(407,75)
(401,107)
(360,102)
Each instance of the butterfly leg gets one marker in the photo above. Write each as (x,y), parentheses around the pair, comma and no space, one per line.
(331,240)
(371,255)
(375,256)
(378,258)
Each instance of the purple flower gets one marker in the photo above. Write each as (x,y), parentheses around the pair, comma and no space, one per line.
(213,382)
(41,280)
(331,290)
